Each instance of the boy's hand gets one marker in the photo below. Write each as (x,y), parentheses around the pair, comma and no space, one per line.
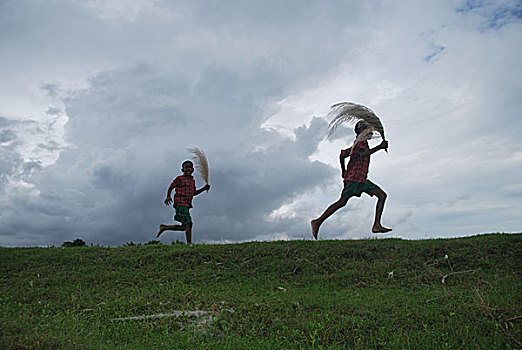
(384,145)
(168,201)
(207,187)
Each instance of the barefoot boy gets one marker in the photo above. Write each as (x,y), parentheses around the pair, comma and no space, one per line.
(355,182)
(185,186)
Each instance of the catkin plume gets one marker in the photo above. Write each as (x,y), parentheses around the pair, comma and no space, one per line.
(200,163)
(351,112)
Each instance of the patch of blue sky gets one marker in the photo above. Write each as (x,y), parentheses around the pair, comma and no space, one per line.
(470,5)
(436,54)
(505,15)
(496,14)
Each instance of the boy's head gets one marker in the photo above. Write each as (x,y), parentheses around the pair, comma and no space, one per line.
(361,126)
(187,167)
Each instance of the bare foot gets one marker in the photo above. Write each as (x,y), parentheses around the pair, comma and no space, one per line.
(380,229)
(315,228)
(161,229)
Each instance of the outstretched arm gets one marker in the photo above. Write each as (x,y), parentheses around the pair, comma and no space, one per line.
(382,145)
(204,188)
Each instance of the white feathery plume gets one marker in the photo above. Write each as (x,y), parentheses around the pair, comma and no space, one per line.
(351,112)
(200,163)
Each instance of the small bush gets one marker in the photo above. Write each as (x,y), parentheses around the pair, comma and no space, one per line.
(78,242)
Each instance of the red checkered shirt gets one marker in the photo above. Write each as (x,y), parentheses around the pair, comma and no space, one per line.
(357,169)
(185,187)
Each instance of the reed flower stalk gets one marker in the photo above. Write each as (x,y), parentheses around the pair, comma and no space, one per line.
(349,112)
(201,163)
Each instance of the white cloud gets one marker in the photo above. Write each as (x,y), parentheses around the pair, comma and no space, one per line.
(448,120)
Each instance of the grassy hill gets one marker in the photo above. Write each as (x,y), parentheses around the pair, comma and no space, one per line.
(377,294)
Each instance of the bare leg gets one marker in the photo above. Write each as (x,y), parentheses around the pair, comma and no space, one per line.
(327,213)
(163,228)
(188,233)
(381,199)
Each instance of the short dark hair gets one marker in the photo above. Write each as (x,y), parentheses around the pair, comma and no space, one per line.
(187,162)
(361,126)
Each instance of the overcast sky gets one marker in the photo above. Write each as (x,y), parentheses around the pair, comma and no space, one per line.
(99,101)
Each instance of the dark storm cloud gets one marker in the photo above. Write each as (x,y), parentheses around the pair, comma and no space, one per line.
(130,132)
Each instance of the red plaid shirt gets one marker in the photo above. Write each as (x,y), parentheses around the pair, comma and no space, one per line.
(185,187)
(357,169)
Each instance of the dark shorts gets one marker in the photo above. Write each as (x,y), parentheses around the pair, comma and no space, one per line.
(182,214)
(356,189)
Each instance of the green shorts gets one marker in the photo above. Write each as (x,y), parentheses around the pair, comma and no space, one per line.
(182,214)
(356,189)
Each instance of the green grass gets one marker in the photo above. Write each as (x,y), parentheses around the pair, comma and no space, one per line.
(267,295)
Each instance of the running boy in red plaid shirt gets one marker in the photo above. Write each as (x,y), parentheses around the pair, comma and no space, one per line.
(185,186)
(355,181)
